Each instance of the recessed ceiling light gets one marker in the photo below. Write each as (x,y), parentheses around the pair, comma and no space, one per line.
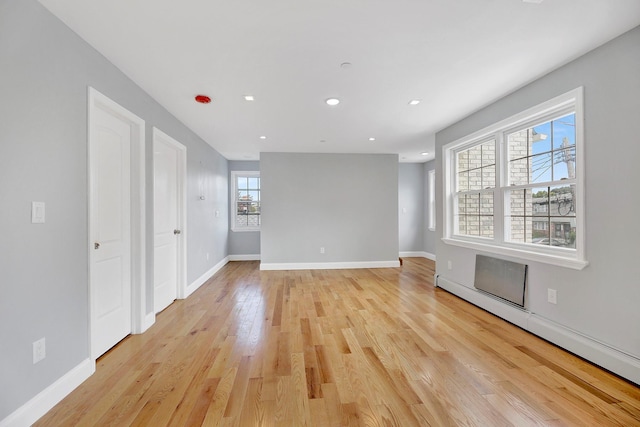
(414,102)
(263,137)
(332,101)
(372,139)
(248,98)
(424,153)
(532,1)
(203,99)
(345,65)
(323,140)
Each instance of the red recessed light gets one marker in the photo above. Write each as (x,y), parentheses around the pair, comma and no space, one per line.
(203,99)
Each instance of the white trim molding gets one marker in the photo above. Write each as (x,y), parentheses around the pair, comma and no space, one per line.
(246,257)
(418,254)
(35,408)
(206,276)
(602,354)
(329,265)
(149,320)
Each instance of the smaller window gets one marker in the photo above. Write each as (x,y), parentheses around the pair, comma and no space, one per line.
(432,200)
(246,201)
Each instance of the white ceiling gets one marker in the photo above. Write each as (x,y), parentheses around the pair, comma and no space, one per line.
(456,56)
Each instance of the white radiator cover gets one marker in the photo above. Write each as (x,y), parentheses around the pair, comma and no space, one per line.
(504,279)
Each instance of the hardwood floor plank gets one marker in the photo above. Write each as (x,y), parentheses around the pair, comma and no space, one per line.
(370,347)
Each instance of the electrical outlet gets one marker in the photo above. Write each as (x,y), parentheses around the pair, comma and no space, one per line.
(321,249)
(449,265)
(39,350)
(207,256)
(552,296)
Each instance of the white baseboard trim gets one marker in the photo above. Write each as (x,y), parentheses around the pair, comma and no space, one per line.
(254,257)
(149,320)
(616,361)
(206,276)
(510,313)
(329,265)
(418,254)
(35,408)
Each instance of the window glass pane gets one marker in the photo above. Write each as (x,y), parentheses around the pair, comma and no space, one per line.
(517,202)
(562,232)
(475,179)
(541,168)
(518,229)
(486,204)
(564,132)
(462,225)
(462,161)
(562,201)
(564,164)
(540,202)
(519,171)
(475,157)
(473,204)
(242,183)
(252,183)
(518,143)
(489,153)
(486,215)
(489,176)
(462,205)
(540,138)
(463,181)
(473,225)
(486,226)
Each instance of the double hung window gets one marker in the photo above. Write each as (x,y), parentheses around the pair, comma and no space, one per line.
(516,187)
(246,201)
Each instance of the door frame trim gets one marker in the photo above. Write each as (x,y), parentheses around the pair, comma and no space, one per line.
(139,322)
(161,137)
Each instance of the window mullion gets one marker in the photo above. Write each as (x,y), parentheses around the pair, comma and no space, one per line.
(498,194)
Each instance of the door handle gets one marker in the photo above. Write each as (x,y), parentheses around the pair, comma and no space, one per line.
(96,245)
(176,232)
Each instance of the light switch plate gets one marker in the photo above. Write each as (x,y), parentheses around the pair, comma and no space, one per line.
(37,213)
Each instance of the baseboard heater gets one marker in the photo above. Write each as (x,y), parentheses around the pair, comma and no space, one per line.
(503,279)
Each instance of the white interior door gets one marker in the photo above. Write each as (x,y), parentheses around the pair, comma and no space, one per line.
(110,260)
(168,218)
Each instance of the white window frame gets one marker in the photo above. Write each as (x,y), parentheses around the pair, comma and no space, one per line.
(564,257)
(234,197)
(432,200)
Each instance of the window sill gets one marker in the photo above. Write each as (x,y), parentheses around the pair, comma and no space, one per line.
(560,261)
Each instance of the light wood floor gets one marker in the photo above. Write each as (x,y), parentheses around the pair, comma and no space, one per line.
(379,347)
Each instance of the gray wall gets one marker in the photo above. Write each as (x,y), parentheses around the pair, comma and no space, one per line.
(46,69)
(430,238)
(411,206)
(242,242)
(600,301)
(347,203)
